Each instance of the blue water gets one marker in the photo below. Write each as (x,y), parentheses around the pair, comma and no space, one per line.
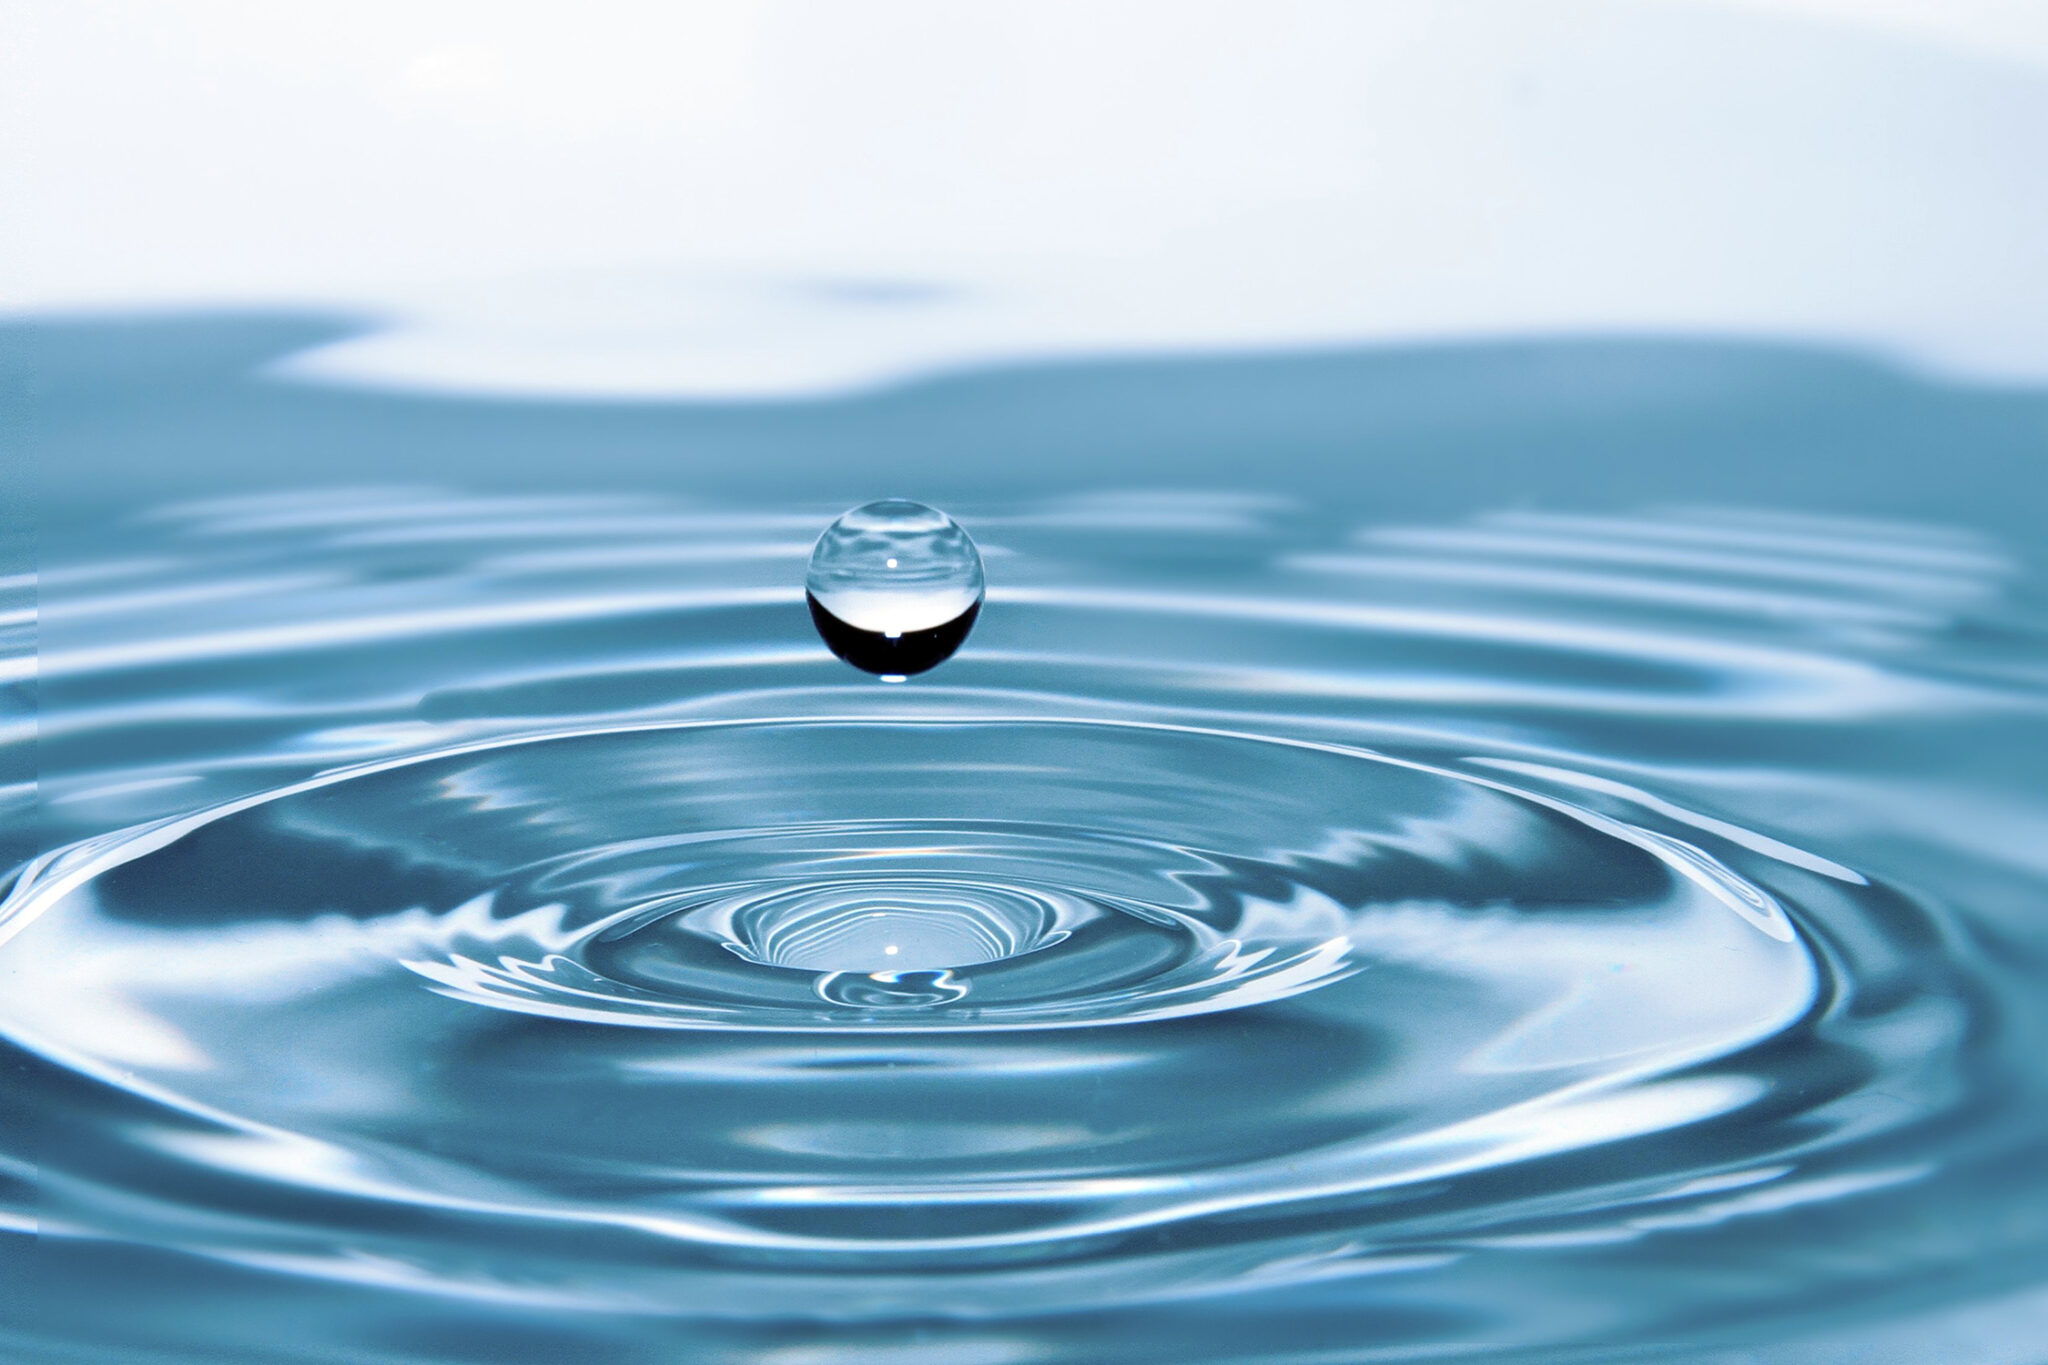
(1528,852)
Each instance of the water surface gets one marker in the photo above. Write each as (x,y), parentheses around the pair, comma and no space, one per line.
(1528,853)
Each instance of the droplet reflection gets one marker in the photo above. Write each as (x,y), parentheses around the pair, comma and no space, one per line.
(894,587)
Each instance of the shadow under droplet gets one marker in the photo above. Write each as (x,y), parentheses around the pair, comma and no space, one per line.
(914,651)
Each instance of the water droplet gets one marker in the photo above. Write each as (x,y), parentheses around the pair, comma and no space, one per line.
(894,587)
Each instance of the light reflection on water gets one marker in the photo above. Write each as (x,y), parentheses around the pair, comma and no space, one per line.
(467,931)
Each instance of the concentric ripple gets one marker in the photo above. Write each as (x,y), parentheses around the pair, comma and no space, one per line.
(1487,974)
(976,875)
(1378,975)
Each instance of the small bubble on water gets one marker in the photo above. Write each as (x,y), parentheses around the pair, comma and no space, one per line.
(894,587)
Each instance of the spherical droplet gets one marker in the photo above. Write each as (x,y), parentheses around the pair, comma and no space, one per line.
(894,587)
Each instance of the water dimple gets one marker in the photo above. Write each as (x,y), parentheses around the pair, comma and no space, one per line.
(886,927)
(894,587)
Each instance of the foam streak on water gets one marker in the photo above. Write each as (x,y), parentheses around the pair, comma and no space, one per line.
(1267,938)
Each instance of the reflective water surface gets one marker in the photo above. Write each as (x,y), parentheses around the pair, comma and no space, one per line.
(490,925)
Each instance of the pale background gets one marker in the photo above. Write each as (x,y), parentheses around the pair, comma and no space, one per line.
(721,197)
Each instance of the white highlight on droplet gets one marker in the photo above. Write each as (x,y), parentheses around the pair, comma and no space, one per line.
(893,567)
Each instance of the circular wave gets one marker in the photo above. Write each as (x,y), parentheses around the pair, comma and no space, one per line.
(973,874)
(1434,915)
(870,941)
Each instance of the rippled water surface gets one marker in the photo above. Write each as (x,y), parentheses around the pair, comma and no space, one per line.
(489,926)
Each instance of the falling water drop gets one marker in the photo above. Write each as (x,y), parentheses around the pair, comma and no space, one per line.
(894,587)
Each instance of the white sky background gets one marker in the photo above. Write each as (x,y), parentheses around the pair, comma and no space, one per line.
(749,196)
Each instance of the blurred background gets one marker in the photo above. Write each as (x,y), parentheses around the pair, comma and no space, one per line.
(1460,223)
(1441,223)
(717,198)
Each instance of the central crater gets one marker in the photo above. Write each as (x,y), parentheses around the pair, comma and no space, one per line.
(884,925)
